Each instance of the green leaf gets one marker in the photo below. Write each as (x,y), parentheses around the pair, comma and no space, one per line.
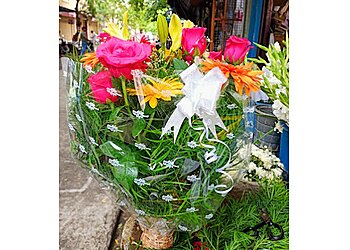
(179,64)
(114,113)
(138,126)
(125,175)
(112,150)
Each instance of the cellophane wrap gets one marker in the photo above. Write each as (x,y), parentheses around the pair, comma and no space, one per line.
(168,185)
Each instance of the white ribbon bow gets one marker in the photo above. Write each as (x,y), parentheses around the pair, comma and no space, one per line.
(201,94)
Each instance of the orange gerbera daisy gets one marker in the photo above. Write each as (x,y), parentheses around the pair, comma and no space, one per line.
(90,59)
(243,75)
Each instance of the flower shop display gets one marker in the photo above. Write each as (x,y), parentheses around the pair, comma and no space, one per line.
(275,85)
(165,128)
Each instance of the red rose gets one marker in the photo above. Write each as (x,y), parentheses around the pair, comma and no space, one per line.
(236,49)
(102,88)
(193,42)
(120,56)
(215,55)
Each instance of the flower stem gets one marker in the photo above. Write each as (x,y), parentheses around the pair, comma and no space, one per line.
(124,92)
(125,95)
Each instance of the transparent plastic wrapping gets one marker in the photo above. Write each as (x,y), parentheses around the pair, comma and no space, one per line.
(170,182)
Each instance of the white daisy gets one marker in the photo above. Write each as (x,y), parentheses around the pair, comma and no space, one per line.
(192,178)
(140,212)
(192,144)
(170,164)
(139,114)
(141,146)
(183,228)
(209,216)
(113,92)
(167,198)
(92,140)
(113,128)
(82,149)
(191,209)
(141,182)
(231,106)
(70,126)
(230,136)
(115,162)
(78,117)
(91,106)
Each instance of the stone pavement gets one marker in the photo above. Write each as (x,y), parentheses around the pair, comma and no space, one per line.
(88,214)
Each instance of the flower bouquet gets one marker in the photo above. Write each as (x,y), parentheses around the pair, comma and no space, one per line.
(165,128)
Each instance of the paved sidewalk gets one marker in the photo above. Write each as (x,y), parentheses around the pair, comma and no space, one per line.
(88,213)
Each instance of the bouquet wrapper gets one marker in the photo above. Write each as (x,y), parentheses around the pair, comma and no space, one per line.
(168,184)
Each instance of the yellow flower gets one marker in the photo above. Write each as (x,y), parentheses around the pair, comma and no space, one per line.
(159,89)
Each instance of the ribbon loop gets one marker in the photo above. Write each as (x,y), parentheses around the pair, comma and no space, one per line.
(201,94)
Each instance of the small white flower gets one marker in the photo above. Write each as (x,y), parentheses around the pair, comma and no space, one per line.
(192,144)
(78,117)
(248,110)
(278,127)
(230,136)
(70,126)
(209,216)
(92,140)
(231,106)
(191,209)
(167,198)
(140,212)
(75,84)
(277,46)
(168,132)
(115,162)
(91,106)
(113,128)
(141,146)
(139,114)
(183,228)
(192,178)
(82,149)
(170,164)
(89,69)
(251,166)
(113,92)
(141,182)
(122,203)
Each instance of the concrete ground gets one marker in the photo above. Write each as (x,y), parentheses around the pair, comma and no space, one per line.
(88,213)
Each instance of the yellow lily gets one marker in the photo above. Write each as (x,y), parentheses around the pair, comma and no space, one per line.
(175,30)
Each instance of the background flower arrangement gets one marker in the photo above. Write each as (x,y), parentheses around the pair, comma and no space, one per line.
(275,82)
(144,120)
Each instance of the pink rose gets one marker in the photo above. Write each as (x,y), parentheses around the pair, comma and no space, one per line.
(193,42)
(236,49)
(102,88)
(120,56)
(215,55)
(104,37)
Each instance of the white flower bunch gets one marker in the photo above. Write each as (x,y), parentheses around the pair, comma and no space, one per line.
(263,164)
(275,83)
